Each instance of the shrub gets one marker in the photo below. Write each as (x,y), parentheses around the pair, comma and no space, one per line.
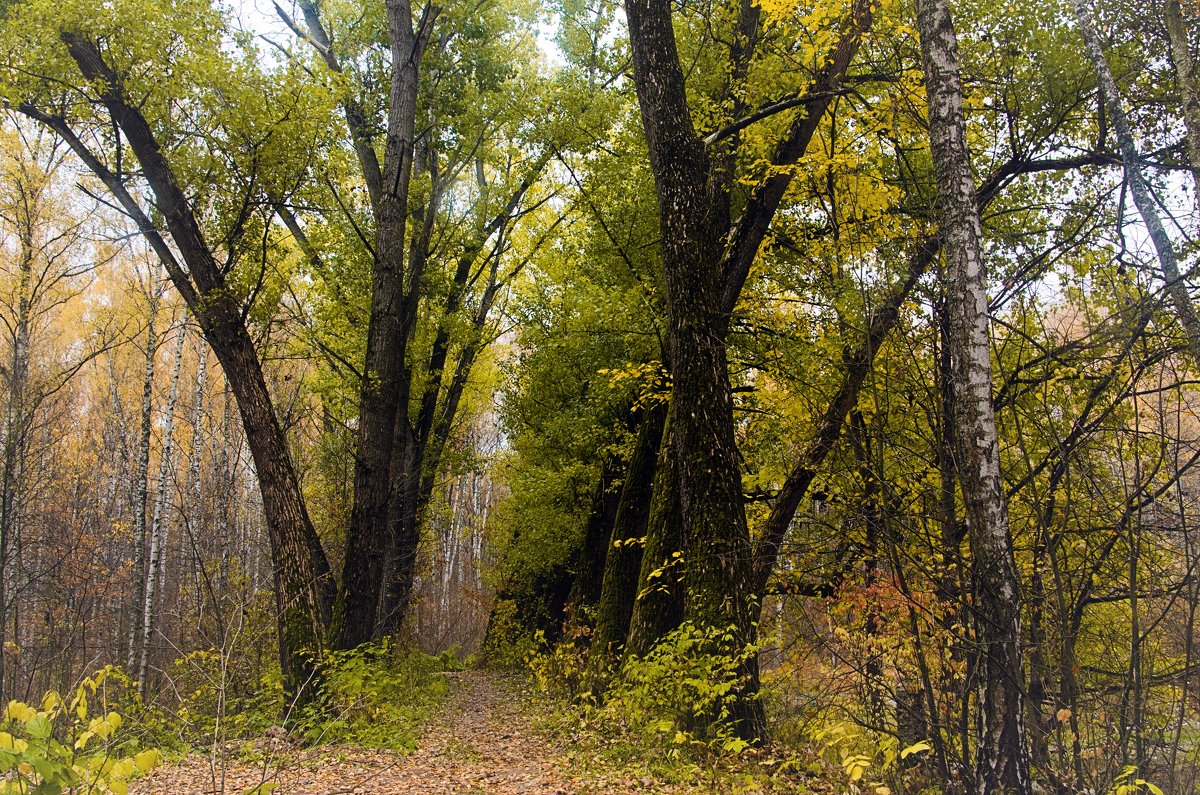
(509,642)
(60,749)
(375,696)
(681,693)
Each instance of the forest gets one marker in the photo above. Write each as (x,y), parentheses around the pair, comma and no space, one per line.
(593,396)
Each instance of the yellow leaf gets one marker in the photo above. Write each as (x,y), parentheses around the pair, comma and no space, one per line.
(17,710)
(915,748)
(122,769)
(148,760)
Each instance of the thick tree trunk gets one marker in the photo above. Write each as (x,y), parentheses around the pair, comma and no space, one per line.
(405,506)
(386,380)
(694,219)
(658,604)
(623,559)
(1002,756)
(589,562)
(385,390)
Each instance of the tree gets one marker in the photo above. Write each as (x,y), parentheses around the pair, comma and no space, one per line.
(707,257)
(1002,764)
(109,106)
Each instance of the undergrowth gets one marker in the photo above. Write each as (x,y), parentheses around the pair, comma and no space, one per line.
(665,716)
(375,696)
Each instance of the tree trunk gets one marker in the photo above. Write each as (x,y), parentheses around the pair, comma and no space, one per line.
(1002,757)
(15,423)
(1185,76)
(141,486)
(589,563)
(658,604)
(693,221)
(195,458)
(158,533)
(386,379)
(1147,207)
(623,559)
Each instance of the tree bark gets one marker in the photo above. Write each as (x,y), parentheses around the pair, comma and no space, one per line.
(623,559)
(693,219)
(658,603)
(141,486)
(1002,764)
(386,381)
(589,563)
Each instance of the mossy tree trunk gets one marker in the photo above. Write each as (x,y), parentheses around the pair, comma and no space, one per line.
(623,558)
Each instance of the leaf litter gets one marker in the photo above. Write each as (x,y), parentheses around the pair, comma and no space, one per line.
(482,743)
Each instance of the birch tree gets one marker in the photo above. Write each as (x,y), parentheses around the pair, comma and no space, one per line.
(1002,764)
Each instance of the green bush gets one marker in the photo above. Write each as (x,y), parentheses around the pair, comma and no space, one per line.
(375,696)
(680,695)
(509,641)
(563,669)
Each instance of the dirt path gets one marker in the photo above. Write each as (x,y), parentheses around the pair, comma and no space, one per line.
(481,744)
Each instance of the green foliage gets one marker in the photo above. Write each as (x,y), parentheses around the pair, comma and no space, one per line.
(674,703)
(374,696)
(866,757)
(679,695)
(221,697)
(78,746)
(509,644)
(563,669)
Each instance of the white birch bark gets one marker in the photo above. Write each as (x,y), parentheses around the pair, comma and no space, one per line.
(157,535)
(1002,764)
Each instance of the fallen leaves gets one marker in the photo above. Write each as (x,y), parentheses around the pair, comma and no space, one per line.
(480,744)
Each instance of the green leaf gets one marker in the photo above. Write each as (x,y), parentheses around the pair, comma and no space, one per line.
(39,727)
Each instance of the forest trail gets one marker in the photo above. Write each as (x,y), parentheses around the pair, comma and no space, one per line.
(481,743)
